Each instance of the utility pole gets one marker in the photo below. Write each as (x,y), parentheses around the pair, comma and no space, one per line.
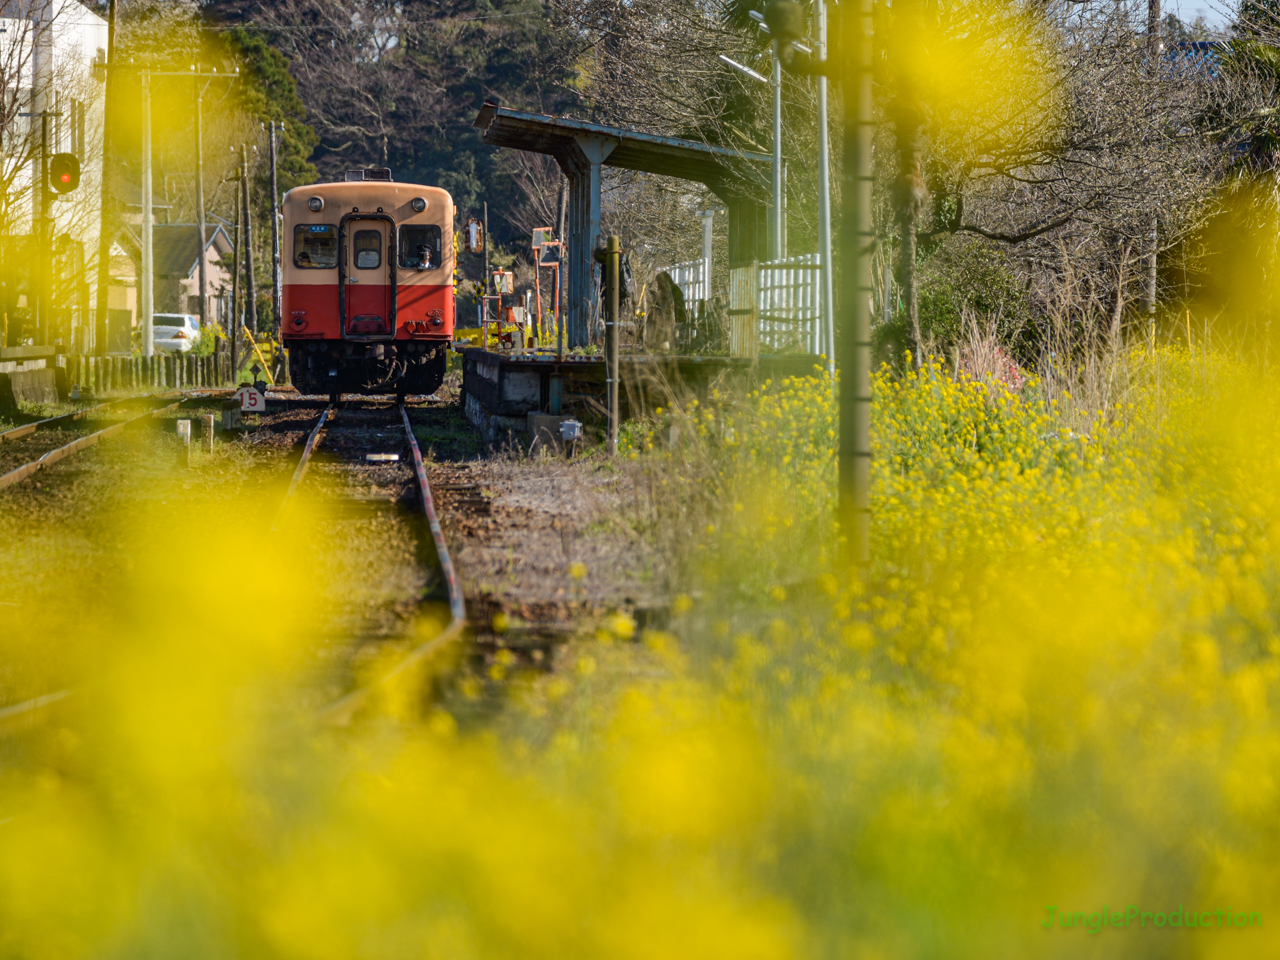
(42,234)
(106,221)
(276,291)
(777,222)
(859,239)
(200,231)
(44,257)
(824,197)
(251,302)
(146,295)
(234,324)
(786,20)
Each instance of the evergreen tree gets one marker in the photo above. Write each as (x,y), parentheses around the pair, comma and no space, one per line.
(269,94)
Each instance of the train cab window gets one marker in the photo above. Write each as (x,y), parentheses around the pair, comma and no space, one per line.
(315,246)
(420,246)
(367,249)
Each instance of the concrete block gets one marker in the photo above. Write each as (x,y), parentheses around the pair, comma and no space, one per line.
(35,386)
(487,369)
(475,412)
(521,388)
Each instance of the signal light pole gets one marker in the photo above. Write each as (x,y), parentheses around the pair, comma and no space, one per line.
(44,253)
(786,20)
(250,304)
(105,220)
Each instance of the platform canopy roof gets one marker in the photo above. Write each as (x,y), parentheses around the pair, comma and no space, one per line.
(741,180)
(720,168)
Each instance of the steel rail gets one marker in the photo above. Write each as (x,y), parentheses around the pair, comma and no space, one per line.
(340,711)
(9,716)
(75,446)
(304,464)
(17,433)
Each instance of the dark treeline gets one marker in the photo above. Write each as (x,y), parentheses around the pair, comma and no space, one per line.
(398,85)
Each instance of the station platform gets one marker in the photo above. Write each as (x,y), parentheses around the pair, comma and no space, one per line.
(501,389)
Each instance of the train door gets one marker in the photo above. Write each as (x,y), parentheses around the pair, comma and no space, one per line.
(367,293)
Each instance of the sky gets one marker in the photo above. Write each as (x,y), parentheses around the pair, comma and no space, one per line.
(1217,13)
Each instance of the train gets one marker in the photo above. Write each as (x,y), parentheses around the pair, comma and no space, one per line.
(368,278)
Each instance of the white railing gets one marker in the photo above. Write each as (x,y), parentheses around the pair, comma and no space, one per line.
(789,295)
(691,278)
(776,307)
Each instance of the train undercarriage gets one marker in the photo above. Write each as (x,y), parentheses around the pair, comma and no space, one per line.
(397,367)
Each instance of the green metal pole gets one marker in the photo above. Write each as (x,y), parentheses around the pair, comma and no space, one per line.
(787,23)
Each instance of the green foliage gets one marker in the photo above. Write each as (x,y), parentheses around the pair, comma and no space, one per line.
(963,280)
(1251,53)
(269,93)
(968,279)
(207,344)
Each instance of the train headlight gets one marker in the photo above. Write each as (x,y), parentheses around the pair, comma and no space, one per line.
(315,204)
(418,204)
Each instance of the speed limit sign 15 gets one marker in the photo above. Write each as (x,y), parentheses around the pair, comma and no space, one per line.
(252,400)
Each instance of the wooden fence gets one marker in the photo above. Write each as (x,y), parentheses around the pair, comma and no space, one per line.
(176,372)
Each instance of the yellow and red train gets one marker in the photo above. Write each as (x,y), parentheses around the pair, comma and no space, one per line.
(368,285)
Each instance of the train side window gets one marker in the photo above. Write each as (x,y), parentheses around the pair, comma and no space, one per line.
(368,249)
(420,246)
(315,246)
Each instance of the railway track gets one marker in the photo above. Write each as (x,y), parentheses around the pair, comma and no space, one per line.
(336,468)
(28,449)
(360,459)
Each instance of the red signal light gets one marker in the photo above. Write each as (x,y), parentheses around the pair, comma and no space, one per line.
(64,172)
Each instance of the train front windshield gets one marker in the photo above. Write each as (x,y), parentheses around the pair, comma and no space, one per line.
(419,246)
(315,246)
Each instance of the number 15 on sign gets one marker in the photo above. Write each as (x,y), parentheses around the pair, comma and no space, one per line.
(252,400)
